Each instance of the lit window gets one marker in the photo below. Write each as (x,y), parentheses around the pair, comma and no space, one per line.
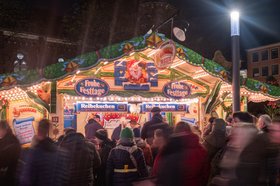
(274,53)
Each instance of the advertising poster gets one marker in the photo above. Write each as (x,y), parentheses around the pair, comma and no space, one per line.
(24,129)
(69,118)
(24,117)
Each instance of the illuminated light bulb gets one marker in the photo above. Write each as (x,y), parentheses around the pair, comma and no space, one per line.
(91,98)
(96,98)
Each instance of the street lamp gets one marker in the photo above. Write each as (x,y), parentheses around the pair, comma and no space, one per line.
(19,63)
(235,33)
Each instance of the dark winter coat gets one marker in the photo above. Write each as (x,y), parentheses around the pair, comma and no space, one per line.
(116,133)
(216,139)
(84,159)
(119,159)
(46,165)
(104,151)
(91,128)
(183,162)
(150,126)
(9,155)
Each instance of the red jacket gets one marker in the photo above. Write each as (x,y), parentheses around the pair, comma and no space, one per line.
(183,162)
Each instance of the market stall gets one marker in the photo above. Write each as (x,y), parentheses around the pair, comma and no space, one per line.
(124,81)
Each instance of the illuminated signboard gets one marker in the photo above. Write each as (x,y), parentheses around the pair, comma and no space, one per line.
(165,55)
(176,90)
(92,87)
(101,107)
(165,107)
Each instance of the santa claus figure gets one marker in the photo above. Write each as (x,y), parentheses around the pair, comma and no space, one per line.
(136,72)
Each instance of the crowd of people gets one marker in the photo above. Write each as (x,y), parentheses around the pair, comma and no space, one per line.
(240,151)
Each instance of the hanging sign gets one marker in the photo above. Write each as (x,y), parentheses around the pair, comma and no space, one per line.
(165,55)
(165,107)
(176,90)
(92,87)
(101,107)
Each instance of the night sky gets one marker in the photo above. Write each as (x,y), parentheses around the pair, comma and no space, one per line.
(210,22)
(259,24)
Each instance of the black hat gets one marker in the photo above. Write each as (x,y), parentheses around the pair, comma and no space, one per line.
(155,109)
(101,134)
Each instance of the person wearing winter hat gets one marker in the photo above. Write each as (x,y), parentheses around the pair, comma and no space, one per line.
(105,146)
(126,162)
(145,148)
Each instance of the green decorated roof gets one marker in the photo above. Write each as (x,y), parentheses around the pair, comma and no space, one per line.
(89,60)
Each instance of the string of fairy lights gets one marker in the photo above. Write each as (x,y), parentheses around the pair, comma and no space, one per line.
(115,98)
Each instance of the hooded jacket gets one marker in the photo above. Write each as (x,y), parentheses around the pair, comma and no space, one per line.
(46,165)
(216,139)
(84,159)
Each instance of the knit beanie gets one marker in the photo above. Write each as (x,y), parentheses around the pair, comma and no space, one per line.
(127,133)
(101,134)
(137,133)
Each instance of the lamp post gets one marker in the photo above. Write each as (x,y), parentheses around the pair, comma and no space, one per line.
(235,60)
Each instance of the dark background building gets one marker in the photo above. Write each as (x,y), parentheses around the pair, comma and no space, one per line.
(264,62)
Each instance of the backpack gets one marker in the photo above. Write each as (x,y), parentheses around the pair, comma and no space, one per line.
(130,150)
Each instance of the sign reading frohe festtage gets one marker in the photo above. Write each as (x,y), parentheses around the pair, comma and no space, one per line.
(176,90)
(92,87)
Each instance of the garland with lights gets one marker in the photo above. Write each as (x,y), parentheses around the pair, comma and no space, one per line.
(3,108)
(272,108)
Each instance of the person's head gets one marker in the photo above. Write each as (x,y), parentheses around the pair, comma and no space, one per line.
(4,128)
(101,135)
(211,120)
(69,130)
(182,127)
(161,137)
(126,135)
(263,122)
(155,110)
(229,120)
(137,133)
(219,125)
(245,117)
(96,118)
(43,128)
(133,124)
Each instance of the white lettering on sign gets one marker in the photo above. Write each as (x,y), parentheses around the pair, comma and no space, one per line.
(85,106)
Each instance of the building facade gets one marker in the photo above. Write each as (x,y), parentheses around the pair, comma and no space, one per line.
(264,61)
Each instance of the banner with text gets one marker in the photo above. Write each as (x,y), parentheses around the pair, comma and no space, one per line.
(101,107)
(165,107)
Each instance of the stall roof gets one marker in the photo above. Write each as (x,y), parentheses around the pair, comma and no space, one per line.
(196,66)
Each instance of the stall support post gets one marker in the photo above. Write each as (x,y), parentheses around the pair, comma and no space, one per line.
(235,60)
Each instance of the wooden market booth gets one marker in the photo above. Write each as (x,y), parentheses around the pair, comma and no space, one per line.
(123,82)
